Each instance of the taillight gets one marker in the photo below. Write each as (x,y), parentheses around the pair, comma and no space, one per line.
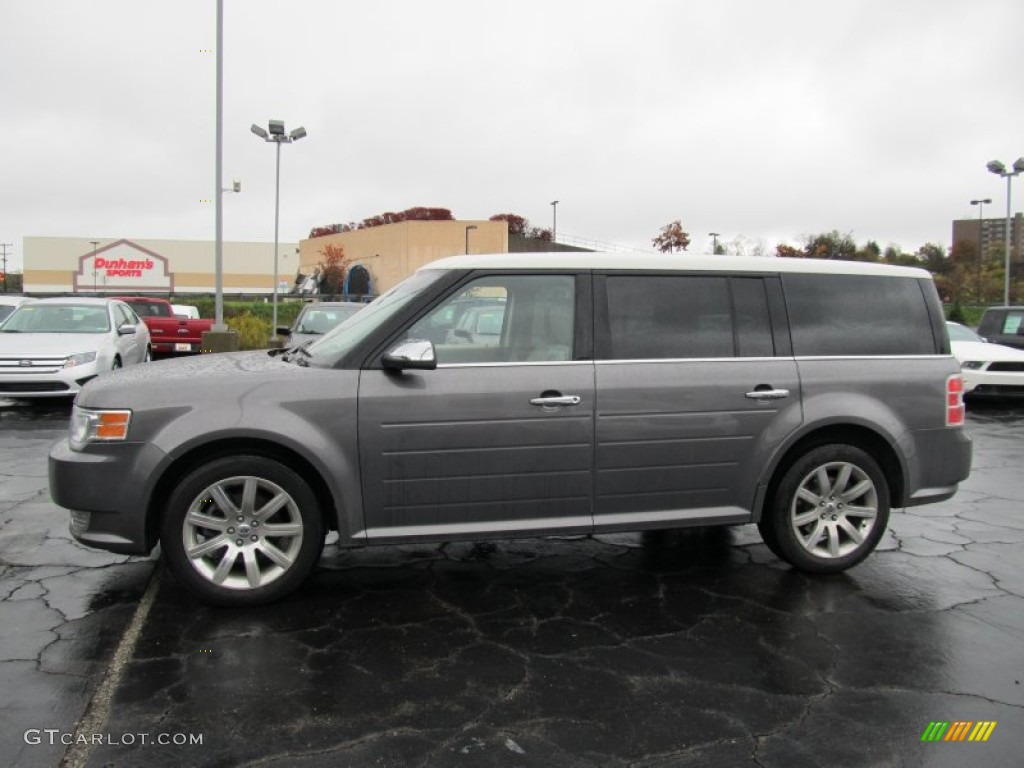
(955,410)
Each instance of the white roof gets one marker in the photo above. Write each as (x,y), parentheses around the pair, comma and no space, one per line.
(686,262)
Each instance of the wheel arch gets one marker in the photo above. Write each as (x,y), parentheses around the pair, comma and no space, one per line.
(236,446)
(867,439)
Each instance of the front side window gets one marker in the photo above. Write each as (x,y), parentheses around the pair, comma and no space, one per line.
(346,336)
(503,319)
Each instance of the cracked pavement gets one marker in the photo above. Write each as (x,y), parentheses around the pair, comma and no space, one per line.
(693,647)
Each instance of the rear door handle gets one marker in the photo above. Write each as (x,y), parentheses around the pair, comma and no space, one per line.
(768,394)
(557,400)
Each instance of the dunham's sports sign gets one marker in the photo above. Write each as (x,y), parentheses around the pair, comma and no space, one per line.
(121,265)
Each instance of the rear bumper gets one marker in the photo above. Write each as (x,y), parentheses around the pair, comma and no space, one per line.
(107,489)
(941,460)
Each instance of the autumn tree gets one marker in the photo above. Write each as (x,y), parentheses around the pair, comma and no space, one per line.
(517,225)
(786,251)
(418,213)
(671,238)
(333,267)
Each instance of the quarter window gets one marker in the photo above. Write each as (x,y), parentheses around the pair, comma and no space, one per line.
(857,315)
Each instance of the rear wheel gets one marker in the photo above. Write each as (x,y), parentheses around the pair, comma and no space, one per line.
(830,509)
(242,530)
(116,365)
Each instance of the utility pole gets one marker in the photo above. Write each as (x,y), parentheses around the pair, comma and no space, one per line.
(5,246)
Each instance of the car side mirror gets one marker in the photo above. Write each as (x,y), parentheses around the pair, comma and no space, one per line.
(284,331)
(411,354)
(125,330)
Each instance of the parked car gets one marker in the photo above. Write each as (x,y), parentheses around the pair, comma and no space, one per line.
(988,369)
(54,347)
(1003,325)
(185,310)
(808,397)
(10,303)
(171,334)
(315,320)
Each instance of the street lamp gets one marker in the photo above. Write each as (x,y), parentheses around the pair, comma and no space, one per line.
(469,227)
(554,223)
(996,167)
(981,207)
(94,244)
(276,135)
(714,239)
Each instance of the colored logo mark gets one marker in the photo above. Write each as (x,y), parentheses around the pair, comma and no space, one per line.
(959,730)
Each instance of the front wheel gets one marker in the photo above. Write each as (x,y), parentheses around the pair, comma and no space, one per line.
(242,530)
(830,509)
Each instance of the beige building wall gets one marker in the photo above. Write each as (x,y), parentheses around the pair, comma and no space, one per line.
(65,264)
(392,252)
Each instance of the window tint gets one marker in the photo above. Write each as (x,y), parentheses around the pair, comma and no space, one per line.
(665,316)
(503,319)
(857,315)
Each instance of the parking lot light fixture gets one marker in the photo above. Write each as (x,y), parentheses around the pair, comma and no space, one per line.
(714,242)
(999,169)
(981,224)
(554,223)
(276,134)
(94,244)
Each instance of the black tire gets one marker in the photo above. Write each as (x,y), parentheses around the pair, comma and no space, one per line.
(116,365)
(767,530)
(147,356)
(215,539)
(830,509)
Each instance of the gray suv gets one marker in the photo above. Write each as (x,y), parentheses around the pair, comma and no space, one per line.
(808,397)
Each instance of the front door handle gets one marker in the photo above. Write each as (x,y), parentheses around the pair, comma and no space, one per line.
(767,394)
(556,400)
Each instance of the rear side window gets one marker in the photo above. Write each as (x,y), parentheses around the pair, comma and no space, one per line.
(657,317)
(857,315)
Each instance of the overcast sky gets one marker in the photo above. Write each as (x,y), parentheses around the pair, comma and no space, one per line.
(766,120)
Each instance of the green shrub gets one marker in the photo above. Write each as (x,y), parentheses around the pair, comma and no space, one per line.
(253,331)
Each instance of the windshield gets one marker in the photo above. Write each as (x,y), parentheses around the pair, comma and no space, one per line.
(58,318)
(334,345)
(959,332)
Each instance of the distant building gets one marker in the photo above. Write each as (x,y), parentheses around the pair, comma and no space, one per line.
(992,232)
(380,257)
(126,266)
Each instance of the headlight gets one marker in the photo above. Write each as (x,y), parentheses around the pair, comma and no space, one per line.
(88,425)
(972,365)
(80,359)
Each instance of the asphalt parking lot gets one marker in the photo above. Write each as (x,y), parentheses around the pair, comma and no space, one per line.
(670,649)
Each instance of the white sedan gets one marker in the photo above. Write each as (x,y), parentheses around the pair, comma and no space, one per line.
(988,369)
(53,347)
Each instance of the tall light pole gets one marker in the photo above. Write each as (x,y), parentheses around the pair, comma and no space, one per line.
(714,242)
(218,194)
(276,135)
(996,167)
(94,244)
(981,224)
(554,223)
(469,227)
